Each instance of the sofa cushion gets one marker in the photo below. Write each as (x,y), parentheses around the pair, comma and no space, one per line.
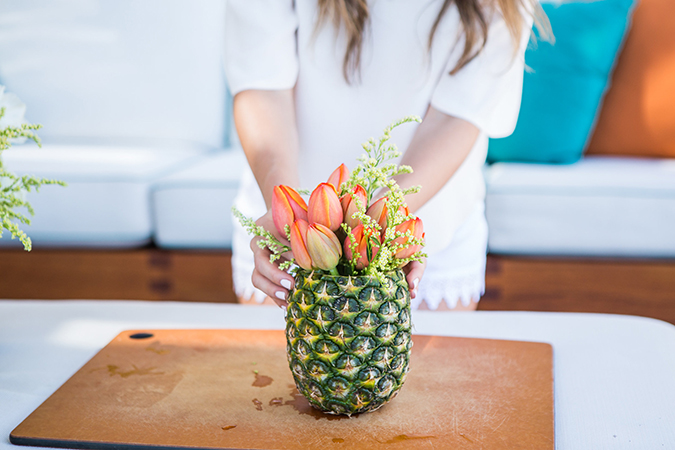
(192,206)
(148,69)
(107,200)
(563,90)
(638,117)
(599,206)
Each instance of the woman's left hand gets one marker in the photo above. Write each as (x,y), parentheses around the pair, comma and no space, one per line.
(414,271)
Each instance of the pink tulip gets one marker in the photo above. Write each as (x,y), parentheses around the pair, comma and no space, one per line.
(349,206)
(323,247)
(416,229)
(324,207)
(366,248)
(339,176)
(299,244)
(378,211)
(287,207)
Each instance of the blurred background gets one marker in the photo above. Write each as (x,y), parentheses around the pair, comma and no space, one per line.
(137,120)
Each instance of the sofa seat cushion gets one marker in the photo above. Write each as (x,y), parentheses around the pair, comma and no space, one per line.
(107,200)
(599,206)
(192,207)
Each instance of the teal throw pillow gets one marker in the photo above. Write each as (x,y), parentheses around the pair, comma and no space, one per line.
(563,91)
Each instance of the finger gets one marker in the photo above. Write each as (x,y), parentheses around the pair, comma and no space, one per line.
(414,272)
(273,281)
(271,271)
(277,293)
(267,223)
(264,252)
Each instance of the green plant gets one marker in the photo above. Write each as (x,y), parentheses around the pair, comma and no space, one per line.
(13,187)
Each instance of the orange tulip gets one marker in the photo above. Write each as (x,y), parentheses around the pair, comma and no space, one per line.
(366,248)
(339,176)
(349,206)
(299,244)
(416,229)
(324,207)
(287,207)
(378,211)
(323,247)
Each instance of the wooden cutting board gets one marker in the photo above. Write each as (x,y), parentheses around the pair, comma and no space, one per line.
(232,389)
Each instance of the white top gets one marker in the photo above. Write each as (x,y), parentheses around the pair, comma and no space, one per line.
(613,375)
(271,45)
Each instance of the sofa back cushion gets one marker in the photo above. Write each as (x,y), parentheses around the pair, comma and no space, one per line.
(133,69)
(566,83)
(638,116)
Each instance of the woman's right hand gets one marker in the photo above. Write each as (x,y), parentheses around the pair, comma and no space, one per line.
(267,276)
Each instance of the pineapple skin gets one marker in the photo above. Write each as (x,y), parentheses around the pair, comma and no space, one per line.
(348,339)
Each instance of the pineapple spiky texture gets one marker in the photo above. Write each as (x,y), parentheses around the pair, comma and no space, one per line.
(349,339)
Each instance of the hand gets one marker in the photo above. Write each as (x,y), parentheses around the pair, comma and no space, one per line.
(267,276)
(413,274)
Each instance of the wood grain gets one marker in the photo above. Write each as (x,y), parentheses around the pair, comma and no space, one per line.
(619,286)
(139,274)
(201,389)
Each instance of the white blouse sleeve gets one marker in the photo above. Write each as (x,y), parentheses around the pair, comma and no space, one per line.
(260,45)
(486,91)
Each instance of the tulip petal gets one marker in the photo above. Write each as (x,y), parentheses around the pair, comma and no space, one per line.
(350,205)
(416,229)
(323,247)
(299,244)
(296,201)
(287,206)
(282,213)
(378,211)
(324,207)
(339,176)
(367,246)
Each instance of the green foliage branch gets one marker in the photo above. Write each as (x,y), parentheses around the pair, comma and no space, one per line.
(14,187)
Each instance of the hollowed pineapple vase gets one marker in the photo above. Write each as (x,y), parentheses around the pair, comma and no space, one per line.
(348,339)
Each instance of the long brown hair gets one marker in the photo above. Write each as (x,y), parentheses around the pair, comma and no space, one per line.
(354,16)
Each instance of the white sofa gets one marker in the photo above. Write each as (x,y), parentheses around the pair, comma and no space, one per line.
(136,119)
(127,92)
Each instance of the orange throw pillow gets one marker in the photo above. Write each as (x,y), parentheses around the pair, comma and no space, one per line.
(638,114)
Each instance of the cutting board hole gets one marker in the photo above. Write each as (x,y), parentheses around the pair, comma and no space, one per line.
(141,335)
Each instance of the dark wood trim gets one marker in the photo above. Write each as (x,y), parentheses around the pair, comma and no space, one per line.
(620,286)
(513,283)
(138,274)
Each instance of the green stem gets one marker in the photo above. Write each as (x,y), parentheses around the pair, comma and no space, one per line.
(334,271)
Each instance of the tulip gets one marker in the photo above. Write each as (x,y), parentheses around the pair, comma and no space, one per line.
(287,207)
(323,247)
(416,229)
(339,176)
(299,244)
(324,207)
(366,248)
(349,205)
(378,211)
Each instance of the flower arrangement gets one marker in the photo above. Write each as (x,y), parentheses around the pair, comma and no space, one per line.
(355,223)
(13,187)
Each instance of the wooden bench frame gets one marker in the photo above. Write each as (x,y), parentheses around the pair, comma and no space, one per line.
(621,286)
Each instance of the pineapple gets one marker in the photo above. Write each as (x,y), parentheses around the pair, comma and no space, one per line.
(348,317)
(348,339)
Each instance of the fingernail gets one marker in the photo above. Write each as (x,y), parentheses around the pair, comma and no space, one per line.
(285,283)
(281,295)
(415,283)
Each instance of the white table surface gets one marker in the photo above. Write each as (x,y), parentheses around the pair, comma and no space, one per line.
(614,375)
